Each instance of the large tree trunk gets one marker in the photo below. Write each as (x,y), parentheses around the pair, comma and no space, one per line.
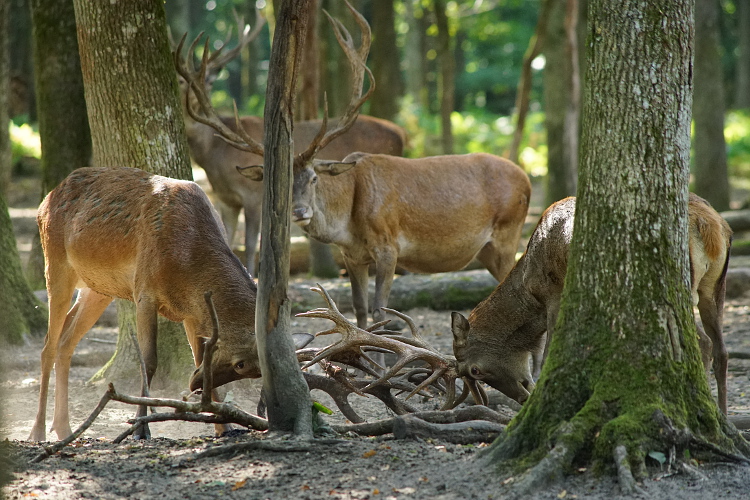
(447,76)
(385,62)
(22,312)
(742,87)
(560,102)
(21,65)
(63,123)
(624,373)
(286,394)
(135,120)
(711,177)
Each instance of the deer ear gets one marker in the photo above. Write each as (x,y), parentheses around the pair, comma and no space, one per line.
(460,327)
(254,172)
(332,167)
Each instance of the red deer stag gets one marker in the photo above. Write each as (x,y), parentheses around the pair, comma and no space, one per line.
(495,343)
(426,215)
(124,233)
(236,192)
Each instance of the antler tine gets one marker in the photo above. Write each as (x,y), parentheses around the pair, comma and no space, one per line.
(195,83)
(245,37)
(410,322)
(357,58)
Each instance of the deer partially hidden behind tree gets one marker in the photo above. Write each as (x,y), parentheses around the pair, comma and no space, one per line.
(236,192)
(495,343)
(426,215)
(124,233)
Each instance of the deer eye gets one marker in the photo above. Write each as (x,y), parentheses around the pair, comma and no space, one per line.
(475,372)
(314,180)
(240,366)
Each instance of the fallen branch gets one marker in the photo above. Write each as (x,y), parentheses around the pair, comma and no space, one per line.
(741,422)
(471,431)
(267,445)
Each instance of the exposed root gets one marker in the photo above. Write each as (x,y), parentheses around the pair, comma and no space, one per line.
(268,445)
(471,431)
(625,477)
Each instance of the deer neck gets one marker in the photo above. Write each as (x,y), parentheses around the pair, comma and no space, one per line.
(332,209)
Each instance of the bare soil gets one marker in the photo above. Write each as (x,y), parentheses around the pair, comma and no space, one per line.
(165,467)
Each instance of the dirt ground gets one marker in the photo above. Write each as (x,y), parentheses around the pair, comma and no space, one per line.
(356,468)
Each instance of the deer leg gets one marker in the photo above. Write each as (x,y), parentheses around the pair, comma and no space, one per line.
(385,268)
(711,309)
(358,278)
(60,288)
(229,216)
(146,324)
(498,258)
(252,230)
(82,316)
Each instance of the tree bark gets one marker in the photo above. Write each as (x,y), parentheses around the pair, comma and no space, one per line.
(559,98)
(21,65)
(624,367)
(711,176)
(414,56)
(742,90)
(22,312)
(135,119)
(63,123)
(287,396)
(447,84)
(385,62)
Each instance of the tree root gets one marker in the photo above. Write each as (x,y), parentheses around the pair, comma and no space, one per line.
(470,431)
(625,477)
(267,445)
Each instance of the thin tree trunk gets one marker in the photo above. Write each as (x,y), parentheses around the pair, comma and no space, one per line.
(624,370)
(287,396)
(385,62)
(447,84)
(742,90)
(135,120)
(711,176)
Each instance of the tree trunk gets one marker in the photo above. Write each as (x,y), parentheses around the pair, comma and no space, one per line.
(558,99)
(287,396)
(385,62)
(447,84)
(711,177)
(22,312)
(624,369)
(63,123)
(742,90)
(414,56)
(135,119)
(21,66)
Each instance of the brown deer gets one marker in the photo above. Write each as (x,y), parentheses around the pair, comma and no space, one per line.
(124,233)
(494,344)
(236,192)
(426,215)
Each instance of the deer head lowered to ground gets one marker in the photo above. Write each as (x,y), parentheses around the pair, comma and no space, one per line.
(236,192)
(124,233)
(494,344)
(426,215)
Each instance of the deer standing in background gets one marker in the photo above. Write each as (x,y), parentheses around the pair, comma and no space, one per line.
(124,233)
(219,160)
(494,344)
(426,215)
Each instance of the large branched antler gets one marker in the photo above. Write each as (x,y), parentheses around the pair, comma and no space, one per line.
(354,339)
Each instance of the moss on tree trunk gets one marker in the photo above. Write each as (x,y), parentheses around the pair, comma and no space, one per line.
(624,375)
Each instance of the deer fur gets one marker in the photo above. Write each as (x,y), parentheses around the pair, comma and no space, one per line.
(425,215)
(494,344)
(124,233)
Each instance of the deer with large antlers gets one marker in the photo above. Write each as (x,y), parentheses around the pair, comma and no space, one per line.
(156,241)
(236,192)
(426,215)
(494,344)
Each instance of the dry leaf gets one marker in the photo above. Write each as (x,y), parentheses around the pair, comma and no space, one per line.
(376,491)
(509,480)
(562,494)
(369,454)
(239,484)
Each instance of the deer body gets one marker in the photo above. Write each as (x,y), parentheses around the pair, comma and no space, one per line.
(426,215)
(494,344)
(124,233)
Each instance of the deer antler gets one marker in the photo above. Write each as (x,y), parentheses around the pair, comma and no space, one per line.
(217,59)
(357,58)
(196,84)
(353,339)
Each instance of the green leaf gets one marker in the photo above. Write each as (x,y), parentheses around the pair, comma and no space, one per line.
(322,408)
(658,456)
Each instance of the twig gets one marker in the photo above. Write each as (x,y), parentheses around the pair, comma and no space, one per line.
(51,450)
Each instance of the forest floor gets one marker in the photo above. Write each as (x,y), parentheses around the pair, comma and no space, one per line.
(166,466)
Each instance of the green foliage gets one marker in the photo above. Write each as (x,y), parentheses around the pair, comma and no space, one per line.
(24,142)
(737,135)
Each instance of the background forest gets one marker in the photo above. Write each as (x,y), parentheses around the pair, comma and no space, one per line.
(449,73)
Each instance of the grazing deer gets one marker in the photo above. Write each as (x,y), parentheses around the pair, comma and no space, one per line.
(494,344)
(219,160)
(426,215)
(124,233)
